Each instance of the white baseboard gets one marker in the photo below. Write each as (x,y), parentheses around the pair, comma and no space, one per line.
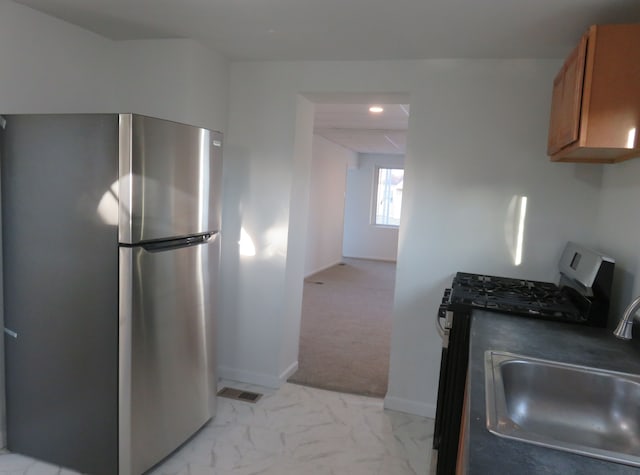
(249,377)
(350,257)
(323,268)
(374,258)
(410,407)
(286,374)
(259,379)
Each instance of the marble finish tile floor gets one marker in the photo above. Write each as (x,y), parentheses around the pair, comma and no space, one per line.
(294,430)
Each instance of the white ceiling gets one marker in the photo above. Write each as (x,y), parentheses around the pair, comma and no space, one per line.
(352,29)
(354,127)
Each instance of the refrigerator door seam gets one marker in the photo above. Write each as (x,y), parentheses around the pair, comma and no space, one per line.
(125,177)
(125,298)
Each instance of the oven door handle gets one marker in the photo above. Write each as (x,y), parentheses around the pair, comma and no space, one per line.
(441,329)
(439,326)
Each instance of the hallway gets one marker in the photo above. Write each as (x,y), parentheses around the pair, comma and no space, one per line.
(346,328)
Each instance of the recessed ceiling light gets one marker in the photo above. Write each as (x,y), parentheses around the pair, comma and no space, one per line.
(375,109)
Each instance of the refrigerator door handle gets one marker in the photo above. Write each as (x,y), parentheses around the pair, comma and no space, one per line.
(171,244)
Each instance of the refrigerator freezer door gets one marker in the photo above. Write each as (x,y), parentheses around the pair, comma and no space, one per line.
(167,360)
(170,179)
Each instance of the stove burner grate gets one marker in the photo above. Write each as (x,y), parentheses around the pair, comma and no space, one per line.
(524,297)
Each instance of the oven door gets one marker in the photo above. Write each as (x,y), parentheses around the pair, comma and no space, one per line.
(441,326)
(453,371)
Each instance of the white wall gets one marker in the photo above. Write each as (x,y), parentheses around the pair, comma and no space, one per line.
(477,136)
(179,80)
(477,140)
(289,331)
(361,238)
(49,66)
(325,218)
(257,198)
(619,230)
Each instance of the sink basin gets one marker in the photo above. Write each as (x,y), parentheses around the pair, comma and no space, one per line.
(574,408)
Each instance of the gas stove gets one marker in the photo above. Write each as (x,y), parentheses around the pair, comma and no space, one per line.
(581,296)
(516,296)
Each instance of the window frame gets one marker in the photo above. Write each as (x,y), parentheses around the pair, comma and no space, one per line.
(374,197)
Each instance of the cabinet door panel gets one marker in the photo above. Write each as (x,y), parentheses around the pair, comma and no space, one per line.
(556,113)
(567,100)
(614,98)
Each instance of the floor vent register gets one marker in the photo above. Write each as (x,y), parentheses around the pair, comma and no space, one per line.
(239,394)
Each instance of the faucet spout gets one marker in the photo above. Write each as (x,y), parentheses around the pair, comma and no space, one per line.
(623,330)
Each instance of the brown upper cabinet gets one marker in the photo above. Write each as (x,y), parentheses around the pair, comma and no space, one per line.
(595,109)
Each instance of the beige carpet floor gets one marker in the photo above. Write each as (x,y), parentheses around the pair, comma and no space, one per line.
(345,332)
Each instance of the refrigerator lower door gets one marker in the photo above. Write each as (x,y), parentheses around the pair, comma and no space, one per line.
(167,363)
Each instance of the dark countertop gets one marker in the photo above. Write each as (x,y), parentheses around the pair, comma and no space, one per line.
(488,454)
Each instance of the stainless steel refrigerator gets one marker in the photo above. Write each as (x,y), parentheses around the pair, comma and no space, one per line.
(111,235)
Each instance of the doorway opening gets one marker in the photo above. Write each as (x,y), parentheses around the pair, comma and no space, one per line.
(354,217)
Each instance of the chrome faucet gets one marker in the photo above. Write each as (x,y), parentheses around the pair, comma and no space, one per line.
(623,330)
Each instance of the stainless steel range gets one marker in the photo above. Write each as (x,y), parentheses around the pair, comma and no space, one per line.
(581,297)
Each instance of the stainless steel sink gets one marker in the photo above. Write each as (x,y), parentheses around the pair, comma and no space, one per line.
(574,408)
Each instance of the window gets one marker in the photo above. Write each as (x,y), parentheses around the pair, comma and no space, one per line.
(388,194)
